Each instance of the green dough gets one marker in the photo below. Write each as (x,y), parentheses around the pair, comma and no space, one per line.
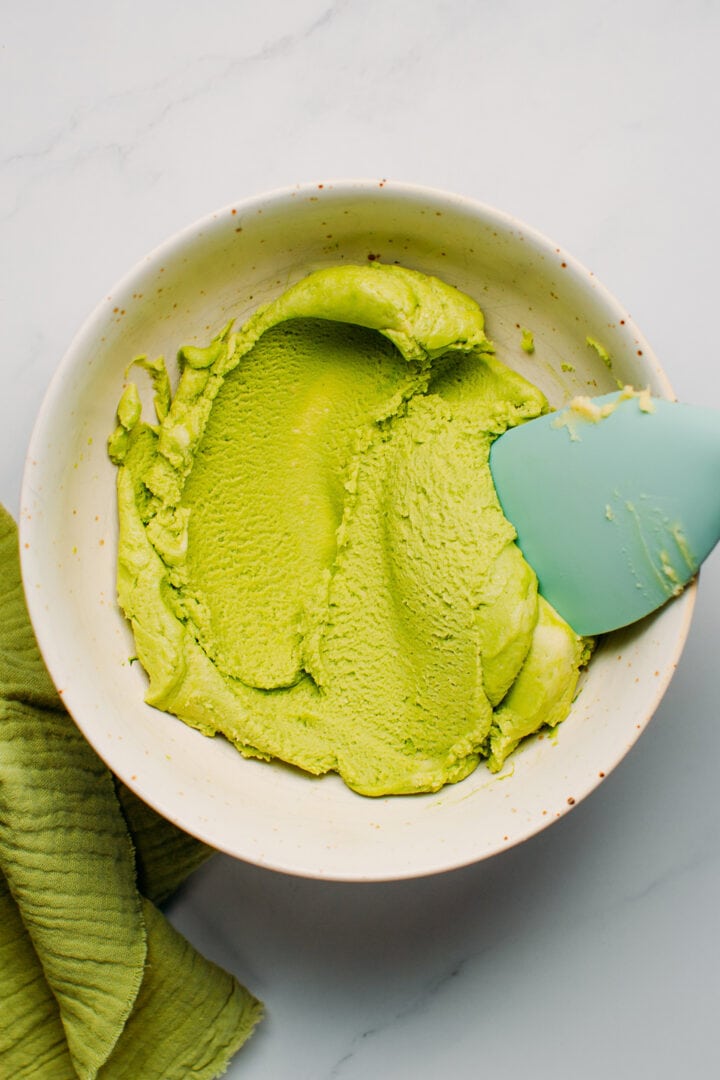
(312,554)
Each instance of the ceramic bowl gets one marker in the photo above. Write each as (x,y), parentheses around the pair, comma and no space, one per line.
(225,266)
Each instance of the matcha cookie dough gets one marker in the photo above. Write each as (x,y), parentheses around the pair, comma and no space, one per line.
(312,555)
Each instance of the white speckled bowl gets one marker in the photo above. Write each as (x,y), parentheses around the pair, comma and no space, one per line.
(225,266)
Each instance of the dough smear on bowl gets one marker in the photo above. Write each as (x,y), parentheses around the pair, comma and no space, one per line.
(312,554)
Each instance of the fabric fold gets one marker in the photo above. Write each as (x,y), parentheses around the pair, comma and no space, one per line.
(32,1037)
(93,982)
(165,855)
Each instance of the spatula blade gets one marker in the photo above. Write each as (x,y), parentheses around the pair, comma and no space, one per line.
(615,515)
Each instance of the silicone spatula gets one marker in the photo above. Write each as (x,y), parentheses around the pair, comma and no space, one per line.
(616,503)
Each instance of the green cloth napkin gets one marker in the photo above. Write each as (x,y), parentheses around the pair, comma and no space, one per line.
(94,981)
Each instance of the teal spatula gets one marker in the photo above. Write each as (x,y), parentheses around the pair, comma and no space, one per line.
(616,504)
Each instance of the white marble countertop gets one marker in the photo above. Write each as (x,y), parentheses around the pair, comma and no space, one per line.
(592,950)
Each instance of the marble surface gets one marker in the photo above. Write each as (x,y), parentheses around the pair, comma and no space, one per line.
(592,950)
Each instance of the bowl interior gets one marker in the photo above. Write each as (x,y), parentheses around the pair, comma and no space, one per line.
(224,267)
